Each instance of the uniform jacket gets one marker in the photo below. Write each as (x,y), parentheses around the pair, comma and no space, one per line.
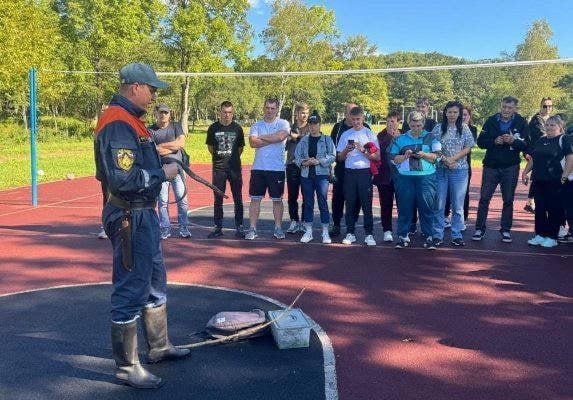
(126,157)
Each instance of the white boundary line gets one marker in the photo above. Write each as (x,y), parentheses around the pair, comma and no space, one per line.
(31,208)
(329,360)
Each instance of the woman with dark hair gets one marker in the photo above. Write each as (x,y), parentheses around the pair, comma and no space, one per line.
(551,164)
(452,172)
(467,112)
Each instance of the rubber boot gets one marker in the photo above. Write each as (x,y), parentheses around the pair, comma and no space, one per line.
(155,324)
(129,370)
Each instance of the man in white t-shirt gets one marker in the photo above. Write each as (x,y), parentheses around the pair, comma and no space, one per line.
(268,138)
(357,158)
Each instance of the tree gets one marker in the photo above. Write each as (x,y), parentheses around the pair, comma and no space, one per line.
(406,87)
(100,37)
(35,46)
(534,82)
(200,36)
(368,90)
(298,38)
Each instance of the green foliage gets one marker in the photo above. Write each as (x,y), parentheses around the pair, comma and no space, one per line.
(534,83)
(101,36)
(298,37)
(30,38)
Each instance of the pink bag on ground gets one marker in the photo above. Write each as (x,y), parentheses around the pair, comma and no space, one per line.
(228,323)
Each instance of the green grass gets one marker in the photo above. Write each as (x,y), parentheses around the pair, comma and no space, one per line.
(59,156)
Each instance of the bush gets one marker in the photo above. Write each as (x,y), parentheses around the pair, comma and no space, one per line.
(51,127)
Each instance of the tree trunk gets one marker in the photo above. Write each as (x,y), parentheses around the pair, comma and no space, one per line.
(185,104)
(25,118)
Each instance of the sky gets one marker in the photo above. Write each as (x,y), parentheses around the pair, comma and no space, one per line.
(472,29)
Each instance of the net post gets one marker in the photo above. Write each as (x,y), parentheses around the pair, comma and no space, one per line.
(33,133)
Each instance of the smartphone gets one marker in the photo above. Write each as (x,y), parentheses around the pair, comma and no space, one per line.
(351,142)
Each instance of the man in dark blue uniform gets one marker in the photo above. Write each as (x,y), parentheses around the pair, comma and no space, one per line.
(128,163)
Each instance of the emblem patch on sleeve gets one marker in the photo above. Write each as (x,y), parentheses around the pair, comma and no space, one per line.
(125,158)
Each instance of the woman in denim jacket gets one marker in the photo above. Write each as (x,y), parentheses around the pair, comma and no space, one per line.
(315,154)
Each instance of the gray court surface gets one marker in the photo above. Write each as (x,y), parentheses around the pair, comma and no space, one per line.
(56,345)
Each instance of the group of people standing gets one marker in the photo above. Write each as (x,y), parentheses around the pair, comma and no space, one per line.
(425,167)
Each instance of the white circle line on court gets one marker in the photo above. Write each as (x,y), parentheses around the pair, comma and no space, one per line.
(329,360)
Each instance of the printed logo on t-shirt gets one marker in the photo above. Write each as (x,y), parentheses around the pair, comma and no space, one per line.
(225,141)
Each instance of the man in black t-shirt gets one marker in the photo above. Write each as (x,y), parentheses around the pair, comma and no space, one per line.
(225,141)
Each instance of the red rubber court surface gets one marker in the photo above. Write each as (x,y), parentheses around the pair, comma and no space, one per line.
(487,321)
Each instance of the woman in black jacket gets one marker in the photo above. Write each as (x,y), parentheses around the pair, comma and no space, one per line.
(551,163)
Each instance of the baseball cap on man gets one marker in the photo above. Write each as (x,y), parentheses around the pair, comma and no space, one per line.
(314,119)
(140,73)
(162,107)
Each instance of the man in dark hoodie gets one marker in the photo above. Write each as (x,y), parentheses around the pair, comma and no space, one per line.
(503,137)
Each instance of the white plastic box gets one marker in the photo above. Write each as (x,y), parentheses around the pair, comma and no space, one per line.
(292,330)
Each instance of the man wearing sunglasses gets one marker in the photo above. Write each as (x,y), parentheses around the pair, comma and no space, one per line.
(170,139)
(128,163)
(536,130)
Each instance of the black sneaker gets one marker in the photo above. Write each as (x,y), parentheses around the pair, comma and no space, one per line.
(429,244)
(335,231)
(528,208)
(217,232)
(402,243)
(458,242)
(506,237)
(438,242)
(239,232)
(478,235)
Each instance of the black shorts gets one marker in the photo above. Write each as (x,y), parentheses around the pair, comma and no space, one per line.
(261,181)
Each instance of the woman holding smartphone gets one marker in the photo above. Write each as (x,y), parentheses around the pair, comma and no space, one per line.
(414,154)
(315,154)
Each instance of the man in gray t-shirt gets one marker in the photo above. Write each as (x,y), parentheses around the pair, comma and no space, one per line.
(170,139)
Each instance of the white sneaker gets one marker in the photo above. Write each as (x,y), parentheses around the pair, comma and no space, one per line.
(349,239)
(562,232)
(548,242)
(536,241)
(326,237)
(101,234)
(293,227)
(388,236)
(307,237)
(369,240)
(251,234)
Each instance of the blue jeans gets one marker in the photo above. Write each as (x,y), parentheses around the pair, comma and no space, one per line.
(455,182)
(412,191)
(146,283)
(178,190)
(309,186)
